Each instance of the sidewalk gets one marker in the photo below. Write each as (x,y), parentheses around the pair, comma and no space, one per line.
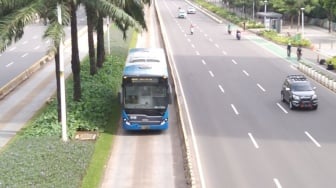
(324,47)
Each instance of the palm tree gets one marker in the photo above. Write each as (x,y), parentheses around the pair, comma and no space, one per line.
(12,26)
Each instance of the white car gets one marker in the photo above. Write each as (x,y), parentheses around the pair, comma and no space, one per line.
(191,10)
(182,13)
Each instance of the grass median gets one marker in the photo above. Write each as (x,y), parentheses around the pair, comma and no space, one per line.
(37,157)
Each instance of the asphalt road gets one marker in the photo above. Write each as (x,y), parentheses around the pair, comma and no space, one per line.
(244,135)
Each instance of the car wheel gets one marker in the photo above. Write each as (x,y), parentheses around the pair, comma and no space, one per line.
(315,107)
(283,97)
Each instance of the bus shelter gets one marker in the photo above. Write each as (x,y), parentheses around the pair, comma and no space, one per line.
(272,20)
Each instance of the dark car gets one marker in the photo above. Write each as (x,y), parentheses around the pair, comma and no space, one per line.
(298,92)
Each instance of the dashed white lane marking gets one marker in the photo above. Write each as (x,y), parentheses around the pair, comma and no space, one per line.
(234,109)
(217,46)
(25,42)
(37,47)
(197,53)
(210,39)
(246,73)
(211,74)
(277,183)
(233,61)
(11,49)
(204,63)
(253,140)
(313,139)
(193,46)
(221,88)
(24,55)
(282,108)
(205,35)
(9,64)
(262,89)
(224,52)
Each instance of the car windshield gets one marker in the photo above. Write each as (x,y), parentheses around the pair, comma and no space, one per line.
(302,87)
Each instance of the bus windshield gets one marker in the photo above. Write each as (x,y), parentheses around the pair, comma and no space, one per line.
(146,97)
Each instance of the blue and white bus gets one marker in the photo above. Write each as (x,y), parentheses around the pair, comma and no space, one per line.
(145,90)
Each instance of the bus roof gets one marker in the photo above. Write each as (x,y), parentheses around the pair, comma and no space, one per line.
(146,62)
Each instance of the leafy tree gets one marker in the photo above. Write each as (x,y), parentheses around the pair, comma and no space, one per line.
(330,7)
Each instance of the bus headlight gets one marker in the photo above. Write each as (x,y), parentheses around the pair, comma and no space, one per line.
(163,121)
(126,122)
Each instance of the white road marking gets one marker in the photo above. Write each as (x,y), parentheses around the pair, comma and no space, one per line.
(217,46)
(233,61)
(193,46)
(221,88)
(37,47)
(277,183)
(210,39)
(35,37)
(211,74)
(197,53)
(24,55)
(25,42)
(313,139)
(253,140)
(11,49)
(224,52)
(204,63)
(9,64)
(234,109)
(205,35)
(188,40)
(282,108)
(246,73)
(262,89)
(293,67)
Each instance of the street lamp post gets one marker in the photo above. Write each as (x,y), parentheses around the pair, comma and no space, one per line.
(302,29)
(265,11)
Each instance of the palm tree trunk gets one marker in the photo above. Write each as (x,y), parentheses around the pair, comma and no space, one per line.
(100,42)
(75,62)
(90,24)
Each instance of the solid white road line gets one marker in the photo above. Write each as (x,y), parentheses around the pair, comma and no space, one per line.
(234,109)
(277,183)
(313,139)
(233,61)
(211,74)
(246,73)
(262,89)
(253,141)
(204,63)
(282,108)
(221,88)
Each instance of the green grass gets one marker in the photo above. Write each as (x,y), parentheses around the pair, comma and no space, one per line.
(37,157)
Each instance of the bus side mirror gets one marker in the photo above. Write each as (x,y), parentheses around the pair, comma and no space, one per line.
(120,97)
(170,97)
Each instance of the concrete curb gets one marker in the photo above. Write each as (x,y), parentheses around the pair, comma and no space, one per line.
(15,82)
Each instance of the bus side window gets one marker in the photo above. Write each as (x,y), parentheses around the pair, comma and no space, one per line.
(120,96)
